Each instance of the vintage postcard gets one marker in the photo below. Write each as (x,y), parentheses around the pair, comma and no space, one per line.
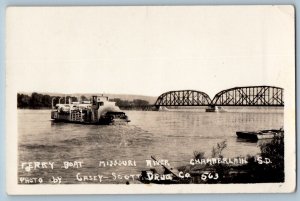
(150,99)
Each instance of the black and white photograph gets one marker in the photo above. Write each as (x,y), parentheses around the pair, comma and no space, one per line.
(150,99)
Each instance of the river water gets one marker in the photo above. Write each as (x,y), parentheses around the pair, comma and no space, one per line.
(171,135)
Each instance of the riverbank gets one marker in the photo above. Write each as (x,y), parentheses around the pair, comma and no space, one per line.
(266,167)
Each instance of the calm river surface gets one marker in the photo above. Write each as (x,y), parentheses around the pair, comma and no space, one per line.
(171,135)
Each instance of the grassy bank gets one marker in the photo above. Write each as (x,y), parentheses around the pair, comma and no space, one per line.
(267,167)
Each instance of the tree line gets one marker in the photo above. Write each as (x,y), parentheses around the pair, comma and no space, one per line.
(34,101)
(40,101)
(126,103)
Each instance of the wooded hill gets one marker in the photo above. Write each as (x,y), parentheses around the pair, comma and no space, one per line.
(39,101)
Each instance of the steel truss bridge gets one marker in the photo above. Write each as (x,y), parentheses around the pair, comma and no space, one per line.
(237,96)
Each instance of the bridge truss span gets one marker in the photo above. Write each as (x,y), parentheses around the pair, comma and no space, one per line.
(250,96)
(183,98)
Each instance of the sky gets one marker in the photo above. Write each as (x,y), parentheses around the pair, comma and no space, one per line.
(148,50)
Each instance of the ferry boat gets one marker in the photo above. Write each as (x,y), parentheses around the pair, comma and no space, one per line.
(259,135)
(99,110)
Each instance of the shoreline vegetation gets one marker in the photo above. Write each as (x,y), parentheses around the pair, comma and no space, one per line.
(44,101)
(267,167)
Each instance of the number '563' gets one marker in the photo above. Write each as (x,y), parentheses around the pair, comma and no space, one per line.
(209,176)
